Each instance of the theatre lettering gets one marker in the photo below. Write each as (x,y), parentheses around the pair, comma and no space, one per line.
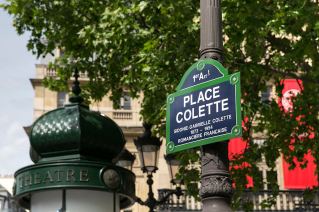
(56,176)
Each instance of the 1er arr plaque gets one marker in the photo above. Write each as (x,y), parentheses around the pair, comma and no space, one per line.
(205,109)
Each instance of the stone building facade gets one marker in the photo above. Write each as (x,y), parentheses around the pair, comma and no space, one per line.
(129,119)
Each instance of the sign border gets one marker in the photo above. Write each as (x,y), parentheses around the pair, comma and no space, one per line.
(171,97)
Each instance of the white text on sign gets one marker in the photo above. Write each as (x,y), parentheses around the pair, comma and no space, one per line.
(207,105)
(200,76)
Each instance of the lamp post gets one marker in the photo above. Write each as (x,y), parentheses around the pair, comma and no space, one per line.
(148,148)
(126,159)
(216,187)
(173,168)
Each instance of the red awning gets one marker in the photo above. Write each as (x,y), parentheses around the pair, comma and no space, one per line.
(237,146)
(300,178)
(297,178)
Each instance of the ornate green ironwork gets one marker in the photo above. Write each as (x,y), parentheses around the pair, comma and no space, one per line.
(76,90)
(75,131)
(70,175)
(72,148)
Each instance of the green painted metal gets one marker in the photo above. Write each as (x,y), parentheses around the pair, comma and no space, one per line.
(71,175)
(234,79)
(77,131)
(76,90)
(72,148)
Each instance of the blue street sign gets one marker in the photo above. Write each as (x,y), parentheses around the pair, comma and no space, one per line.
(205,109)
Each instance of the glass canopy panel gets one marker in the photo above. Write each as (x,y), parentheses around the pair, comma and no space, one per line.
(125,164)
(76,200)
(46,201)
(150,156)
(140,155)
(90,200)
(173,170)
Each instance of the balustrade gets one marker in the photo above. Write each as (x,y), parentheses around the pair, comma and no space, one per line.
(122,115)
(52,72)
(287,200)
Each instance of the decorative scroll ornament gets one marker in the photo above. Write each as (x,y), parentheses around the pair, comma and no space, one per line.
(214,55)
(216,185)
(213,157)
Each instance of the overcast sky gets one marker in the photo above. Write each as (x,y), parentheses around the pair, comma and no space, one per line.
(17,66)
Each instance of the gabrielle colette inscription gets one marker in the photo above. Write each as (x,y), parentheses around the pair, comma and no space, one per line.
(208,130)
(53,176)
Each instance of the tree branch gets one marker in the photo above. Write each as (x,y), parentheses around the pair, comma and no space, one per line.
(78,10)
(282,46)
(290,74)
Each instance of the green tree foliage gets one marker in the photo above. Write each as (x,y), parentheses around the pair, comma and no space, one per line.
(147,45)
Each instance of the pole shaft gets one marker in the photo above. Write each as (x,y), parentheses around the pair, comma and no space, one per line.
(211,39)
(216,186)
(150,202)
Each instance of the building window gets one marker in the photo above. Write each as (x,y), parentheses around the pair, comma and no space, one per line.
(123,103)
(262,182)
(258,180)
(266,96)
(63,98)
(259,142)
(117,104)
(127,102)
(273,175)
(62,53)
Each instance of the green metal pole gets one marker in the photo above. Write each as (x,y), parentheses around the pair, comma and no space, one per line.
(216,186)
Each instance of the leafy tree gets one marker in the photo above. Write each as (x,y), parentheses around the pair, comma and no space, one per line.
(147,46)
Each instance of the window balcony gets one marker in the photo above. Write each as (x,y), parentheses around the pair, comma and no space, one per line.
(286,201)
(184,203)
(51,72)
(122,115)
